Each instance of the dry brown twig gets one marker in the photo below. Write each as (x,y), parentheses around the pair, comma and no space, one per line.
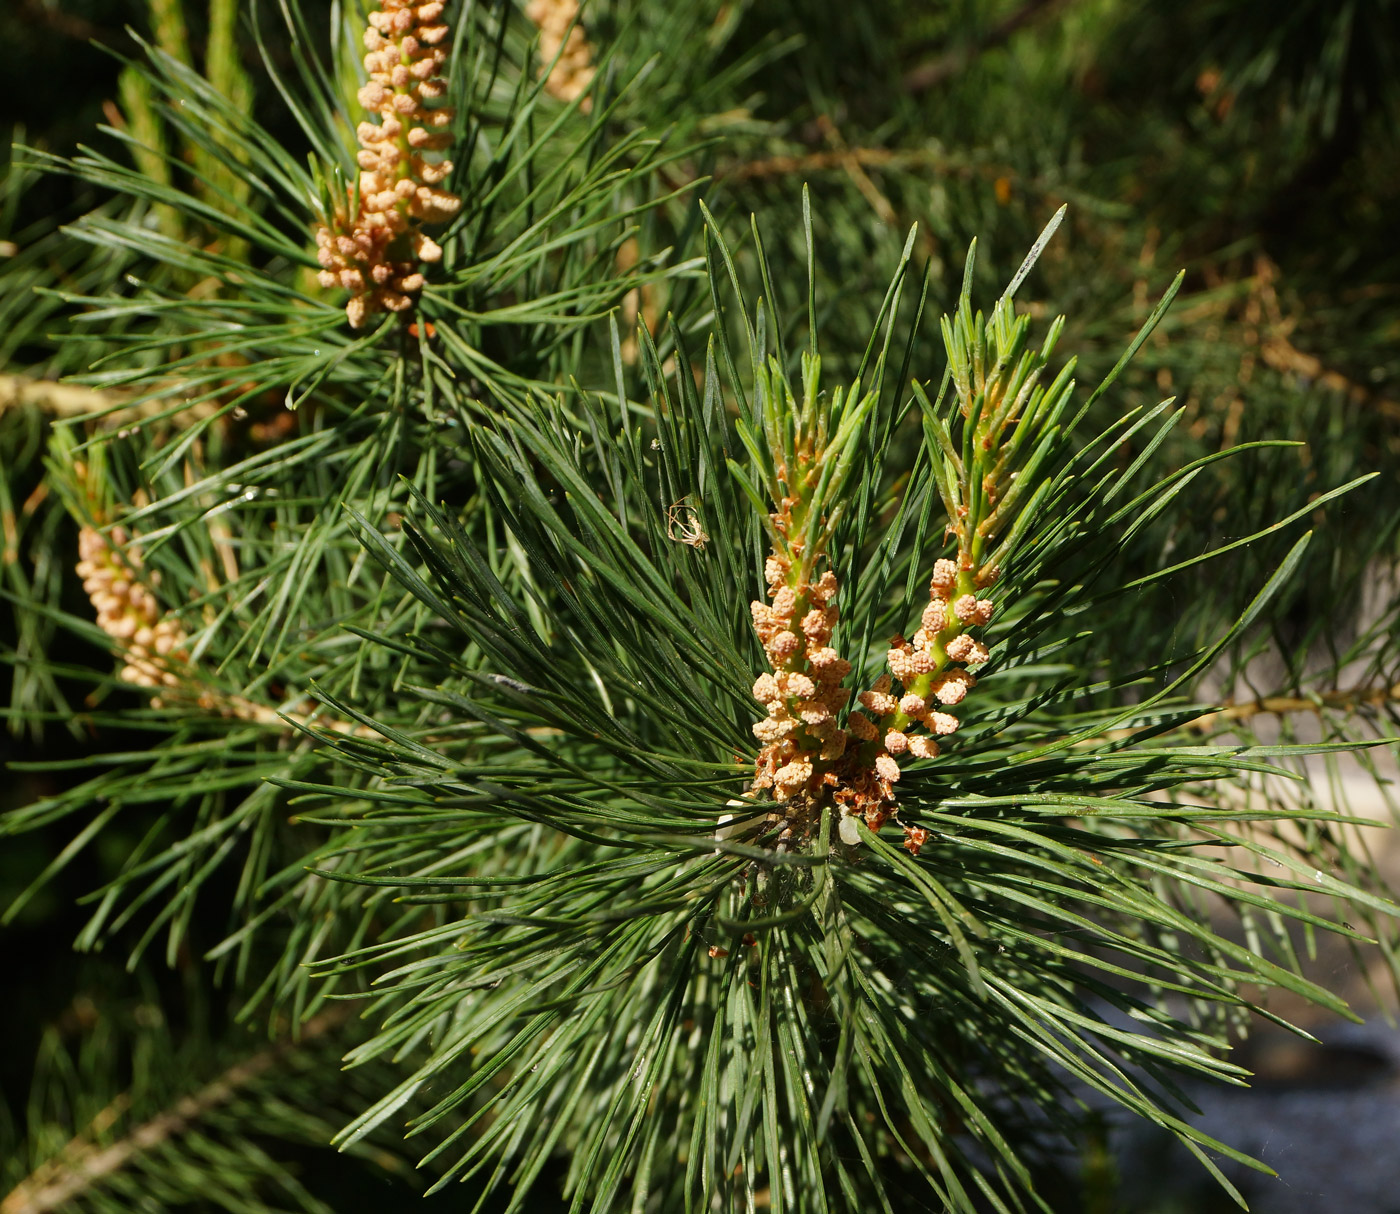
(54,17)
(819,162)
(1346,699)
(1267,338)
(1282,355)
(856,172)
(59,400)
(112,410)
(82,1163)
(935,71)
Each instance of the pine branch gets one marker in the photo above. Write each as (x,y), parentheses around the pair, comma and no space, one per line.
(1282,355)
(240,708)
(56,18)
(1349,699)
(109,408)
(82,1164)
(894,160)
(878,202)
(1346,700)
(598,938)
(60,400)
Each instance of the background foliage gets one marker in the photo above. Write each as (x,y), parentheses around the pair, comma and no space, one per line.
(1258,154)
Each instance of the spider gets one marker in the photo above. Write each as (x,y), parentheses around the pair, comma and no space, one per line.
(683,525)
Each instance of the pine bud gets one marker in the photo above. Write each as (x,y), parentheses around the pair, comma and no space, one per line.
(858,725)
(935,617)
(945,574)
(563,45)
(354,243)
(923,747)
(791,778)
(972,611)
(881,703)
(783,646)
(901,663)
(952,686)
(886,768)
(126,611)
(963,648)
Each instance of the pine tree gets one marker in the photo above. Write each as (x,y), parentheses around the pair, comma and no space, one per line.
(604,662)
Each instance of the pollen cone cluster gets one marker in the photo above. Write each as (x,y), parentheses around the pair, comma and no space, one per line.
(932,674)
(374,244)
(561,35)
(803,692)
(153,646)
(150,642)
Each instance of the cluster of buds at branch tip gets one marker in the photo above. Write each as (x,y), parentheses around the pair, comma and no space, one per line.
(801,449)
(905,722)
(803,692)
(932,671)
(372,244)
(994,450)
(566,53)
(990,451)
(149,640)
(152,644)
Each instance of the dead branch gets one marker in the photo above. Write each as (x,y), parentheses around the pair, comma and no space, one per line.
(1347,699)
(54,18)
(61,400)
(82,1163)
(935,71)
